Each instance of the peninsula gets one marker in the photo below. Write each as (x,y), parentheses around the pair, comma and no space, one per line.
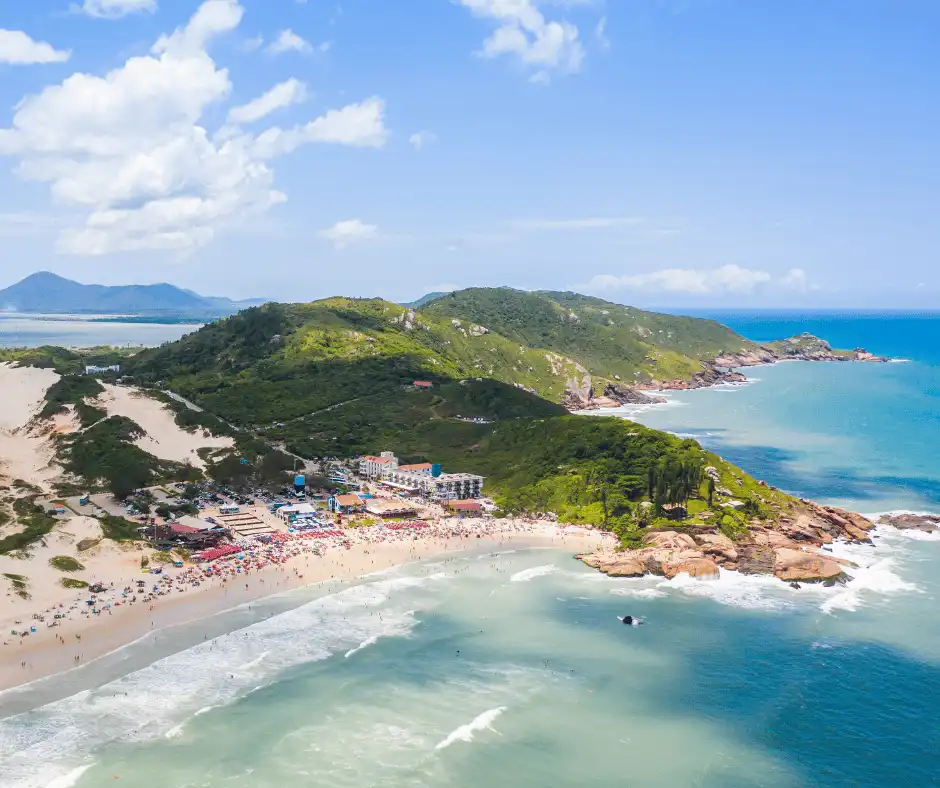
(104,454)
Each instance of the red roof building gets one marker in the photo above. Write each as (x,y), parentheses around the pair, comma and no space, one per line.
(423,384)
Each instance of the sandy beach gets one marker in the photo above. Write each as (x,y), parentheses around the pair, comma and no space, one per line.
(47,627)
(78,637)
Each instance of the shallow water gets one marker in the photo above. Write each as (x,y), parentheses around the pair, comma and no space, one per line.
(20,330)
(513,670)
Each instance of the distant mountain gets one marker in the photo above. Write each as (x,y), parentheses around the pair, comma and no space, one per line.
(52,294)
(425,299)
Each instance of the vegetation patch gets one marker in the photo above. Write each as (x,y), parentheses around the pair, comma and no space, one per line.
(65,563)
(87,544)
(19,583)
(72,390)
(119,529)
(106,456)
(72,582)
(36,522)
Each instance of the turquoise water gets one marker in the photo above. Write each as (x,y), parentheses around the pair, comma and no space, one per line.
(511,669)
(18,330)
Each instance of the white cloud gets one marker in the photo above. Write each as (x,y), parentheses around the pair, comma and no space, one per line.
(281,95)
(523,31)
(360,125)
(19,49)
(349,231)
(421,138)
(130,149)
(796,279)
(591,223)
(289,41)
(600,33)
(115,9)
(697,281)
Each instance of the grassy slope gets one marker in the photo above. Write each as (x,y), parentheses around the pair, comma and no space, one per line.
(332,379)
(609,339)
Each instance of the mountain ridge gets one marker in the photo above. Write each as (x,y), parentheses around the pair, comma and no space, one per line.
(48,293)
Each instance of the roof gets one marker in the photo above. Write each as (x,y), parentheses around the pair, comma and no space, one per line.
(421,466)
(349,500)
(380,460)
(179,528)
(474,506)
(385,505)
(424,384)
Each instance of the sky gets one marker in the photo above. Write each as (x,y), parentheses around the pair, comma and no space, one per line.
(663,153)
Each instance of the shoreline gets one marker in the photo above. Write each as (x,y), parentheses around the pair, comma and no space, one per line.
(82,642)
(733,377)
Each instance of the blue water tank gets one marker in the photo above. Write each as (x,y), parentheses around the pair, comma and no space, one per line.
(300,482)
(436,470)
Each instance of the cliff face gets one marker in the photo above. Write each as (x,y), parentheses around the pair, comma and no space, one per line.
(790,548)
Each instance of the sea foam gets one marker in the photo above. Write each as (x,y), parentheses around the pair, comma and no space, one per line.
(530,574)
(39,747)
(465,733)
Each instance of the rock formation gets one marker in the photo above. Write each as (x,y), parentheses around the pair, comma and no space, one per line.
(928,523)
(789,549)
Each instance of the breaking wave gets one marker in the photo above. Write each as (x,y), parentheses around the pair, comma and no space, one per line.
(465,733)
(530,574)
(40,747)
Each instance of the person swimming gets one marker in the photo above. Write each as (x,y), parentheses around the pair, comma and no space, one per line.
(630,621)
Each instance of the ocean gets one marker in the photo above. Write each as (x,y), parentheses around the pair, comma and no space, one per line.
(510,668)
(29,330)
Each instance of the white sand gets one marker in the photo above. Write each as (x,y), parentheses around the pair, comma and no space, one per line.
(106,563)
(164,439)
(25,453)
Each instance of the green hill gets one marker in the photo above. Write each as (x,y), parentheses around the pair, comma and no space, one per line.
(611,341)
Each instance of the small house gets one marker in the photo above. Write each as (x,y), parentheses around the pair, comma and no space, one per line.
(423,384)
(468,507)
(675,511)
(345,504)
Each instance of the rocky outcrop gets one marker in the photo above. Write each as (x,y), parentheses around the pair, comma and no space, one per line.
(804,347)
(928,523)
(805,566)
(614,396)
(787,549)
(709,375)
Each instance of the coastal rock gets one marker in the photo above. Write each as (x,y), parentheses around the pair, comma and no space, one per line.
(804,347)
(628,396)
(801,566)
(615,564)
(928,523)
(670,540)
(695,567)
(711,374)
(717,546)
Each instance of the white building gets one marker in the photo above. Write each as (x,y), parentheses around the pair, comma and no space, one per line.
(372,467)
(93,370)
(420,478)
(447,486)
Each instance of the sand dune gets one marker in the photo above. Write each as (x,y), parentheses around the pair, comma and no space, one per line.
(164,439)
(107,562)
(25,451)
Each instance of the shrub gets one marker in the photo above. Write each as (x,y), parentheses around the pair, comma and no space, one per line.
(65,563)
(71,582)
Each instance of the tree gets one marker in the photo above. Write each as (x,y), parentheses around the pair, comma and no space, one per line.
(122,485)
(711,490)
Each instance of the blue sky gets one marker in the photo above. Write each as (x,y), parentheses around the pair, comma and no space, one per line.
(656,152)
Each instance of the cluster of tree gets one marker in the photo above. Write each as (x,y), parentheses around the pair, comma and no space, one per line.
(106,455)
(674,481)
(72,390)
